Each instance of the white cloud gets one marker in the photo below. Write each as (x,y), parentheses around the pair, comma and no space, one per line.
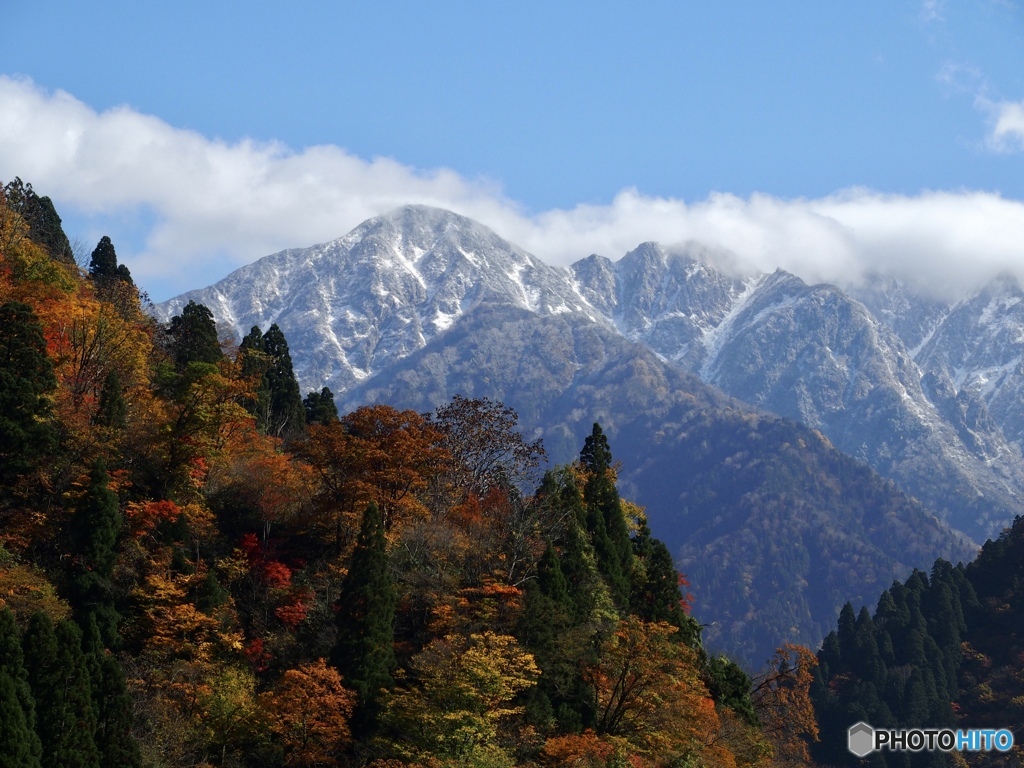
(1007,124)
(217,206)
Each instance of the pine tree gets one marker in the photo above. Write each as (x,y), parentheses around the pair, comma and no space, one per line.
(596,455)
(546,629)
(43,222)
(111,704)
(111,412)
(65,720)
(194,337)
(364,652)
(95,528)
(655,595)
(286,416)
(730,686)
(254,363)
(16,738)
(591,600)
(103,263)
(320,407)
(19,743)
(606,523)
(26,378)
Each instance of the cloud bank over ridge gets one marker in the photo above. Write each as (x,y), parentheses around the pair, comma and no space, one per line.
(215,206)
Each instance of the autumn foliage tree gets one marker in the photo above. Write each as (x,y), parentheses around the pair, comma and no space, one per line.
(485,445)
(782,699)
(308,710)
(459,697)
(376,453)
(648,690)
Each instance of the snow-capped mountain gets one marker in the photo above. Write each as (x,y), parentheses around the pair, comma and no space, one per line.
(818,356)
(354,308)
(669,301)
(978,350)
(354,305)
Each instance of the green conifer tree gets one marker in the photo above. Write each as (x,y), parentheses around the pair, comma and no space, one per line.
(254,363)
(26,379)
(16,738)
(112,412)
(287,415)
(730,686)
(655,594)
(65,720)
(606,522)
(42,219)
(19,743)
(95,528)
(546,628)
(364,652)
(103,262)
(193,336)
(320,407)
(111,704)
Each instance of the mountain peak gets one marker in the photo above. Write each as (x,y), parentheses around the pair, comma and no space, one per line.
(382,291)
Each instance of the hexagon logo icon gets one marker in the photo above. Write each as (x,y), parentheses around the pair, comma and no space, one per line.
(861,739)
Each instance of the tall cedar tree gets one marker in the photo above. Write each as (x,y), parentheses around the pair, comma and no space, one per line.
(42,219)
(655,594)
(16,738)
(560,626)
(287,416)
(254,365)
(94,531)
(111,411)
(320,407)
(111,704)
(194,337)
(483,438)
(26,378)
(19,743)
(364,652)
(546,629)
(103,266)
(605,520)
(56,668)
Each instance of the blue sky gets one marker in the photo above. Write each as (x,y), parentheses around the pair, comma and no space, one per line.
(828,138)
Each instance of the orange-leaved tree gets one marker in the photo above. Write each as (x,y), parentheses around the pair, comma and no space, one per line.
(376,453)
(782,700)
(308,711)
(648,690)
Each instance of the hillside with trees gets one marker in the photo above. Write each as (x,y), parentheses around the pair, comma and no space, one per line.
(200,567)
(941,650)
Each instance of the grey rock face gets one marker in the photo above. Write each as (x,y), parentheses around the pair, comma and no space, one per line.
(979,349)
(668,300)
(817,356)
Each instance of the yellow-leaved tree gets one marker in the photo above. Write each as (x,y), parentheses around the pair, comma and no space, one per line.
(457,705)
